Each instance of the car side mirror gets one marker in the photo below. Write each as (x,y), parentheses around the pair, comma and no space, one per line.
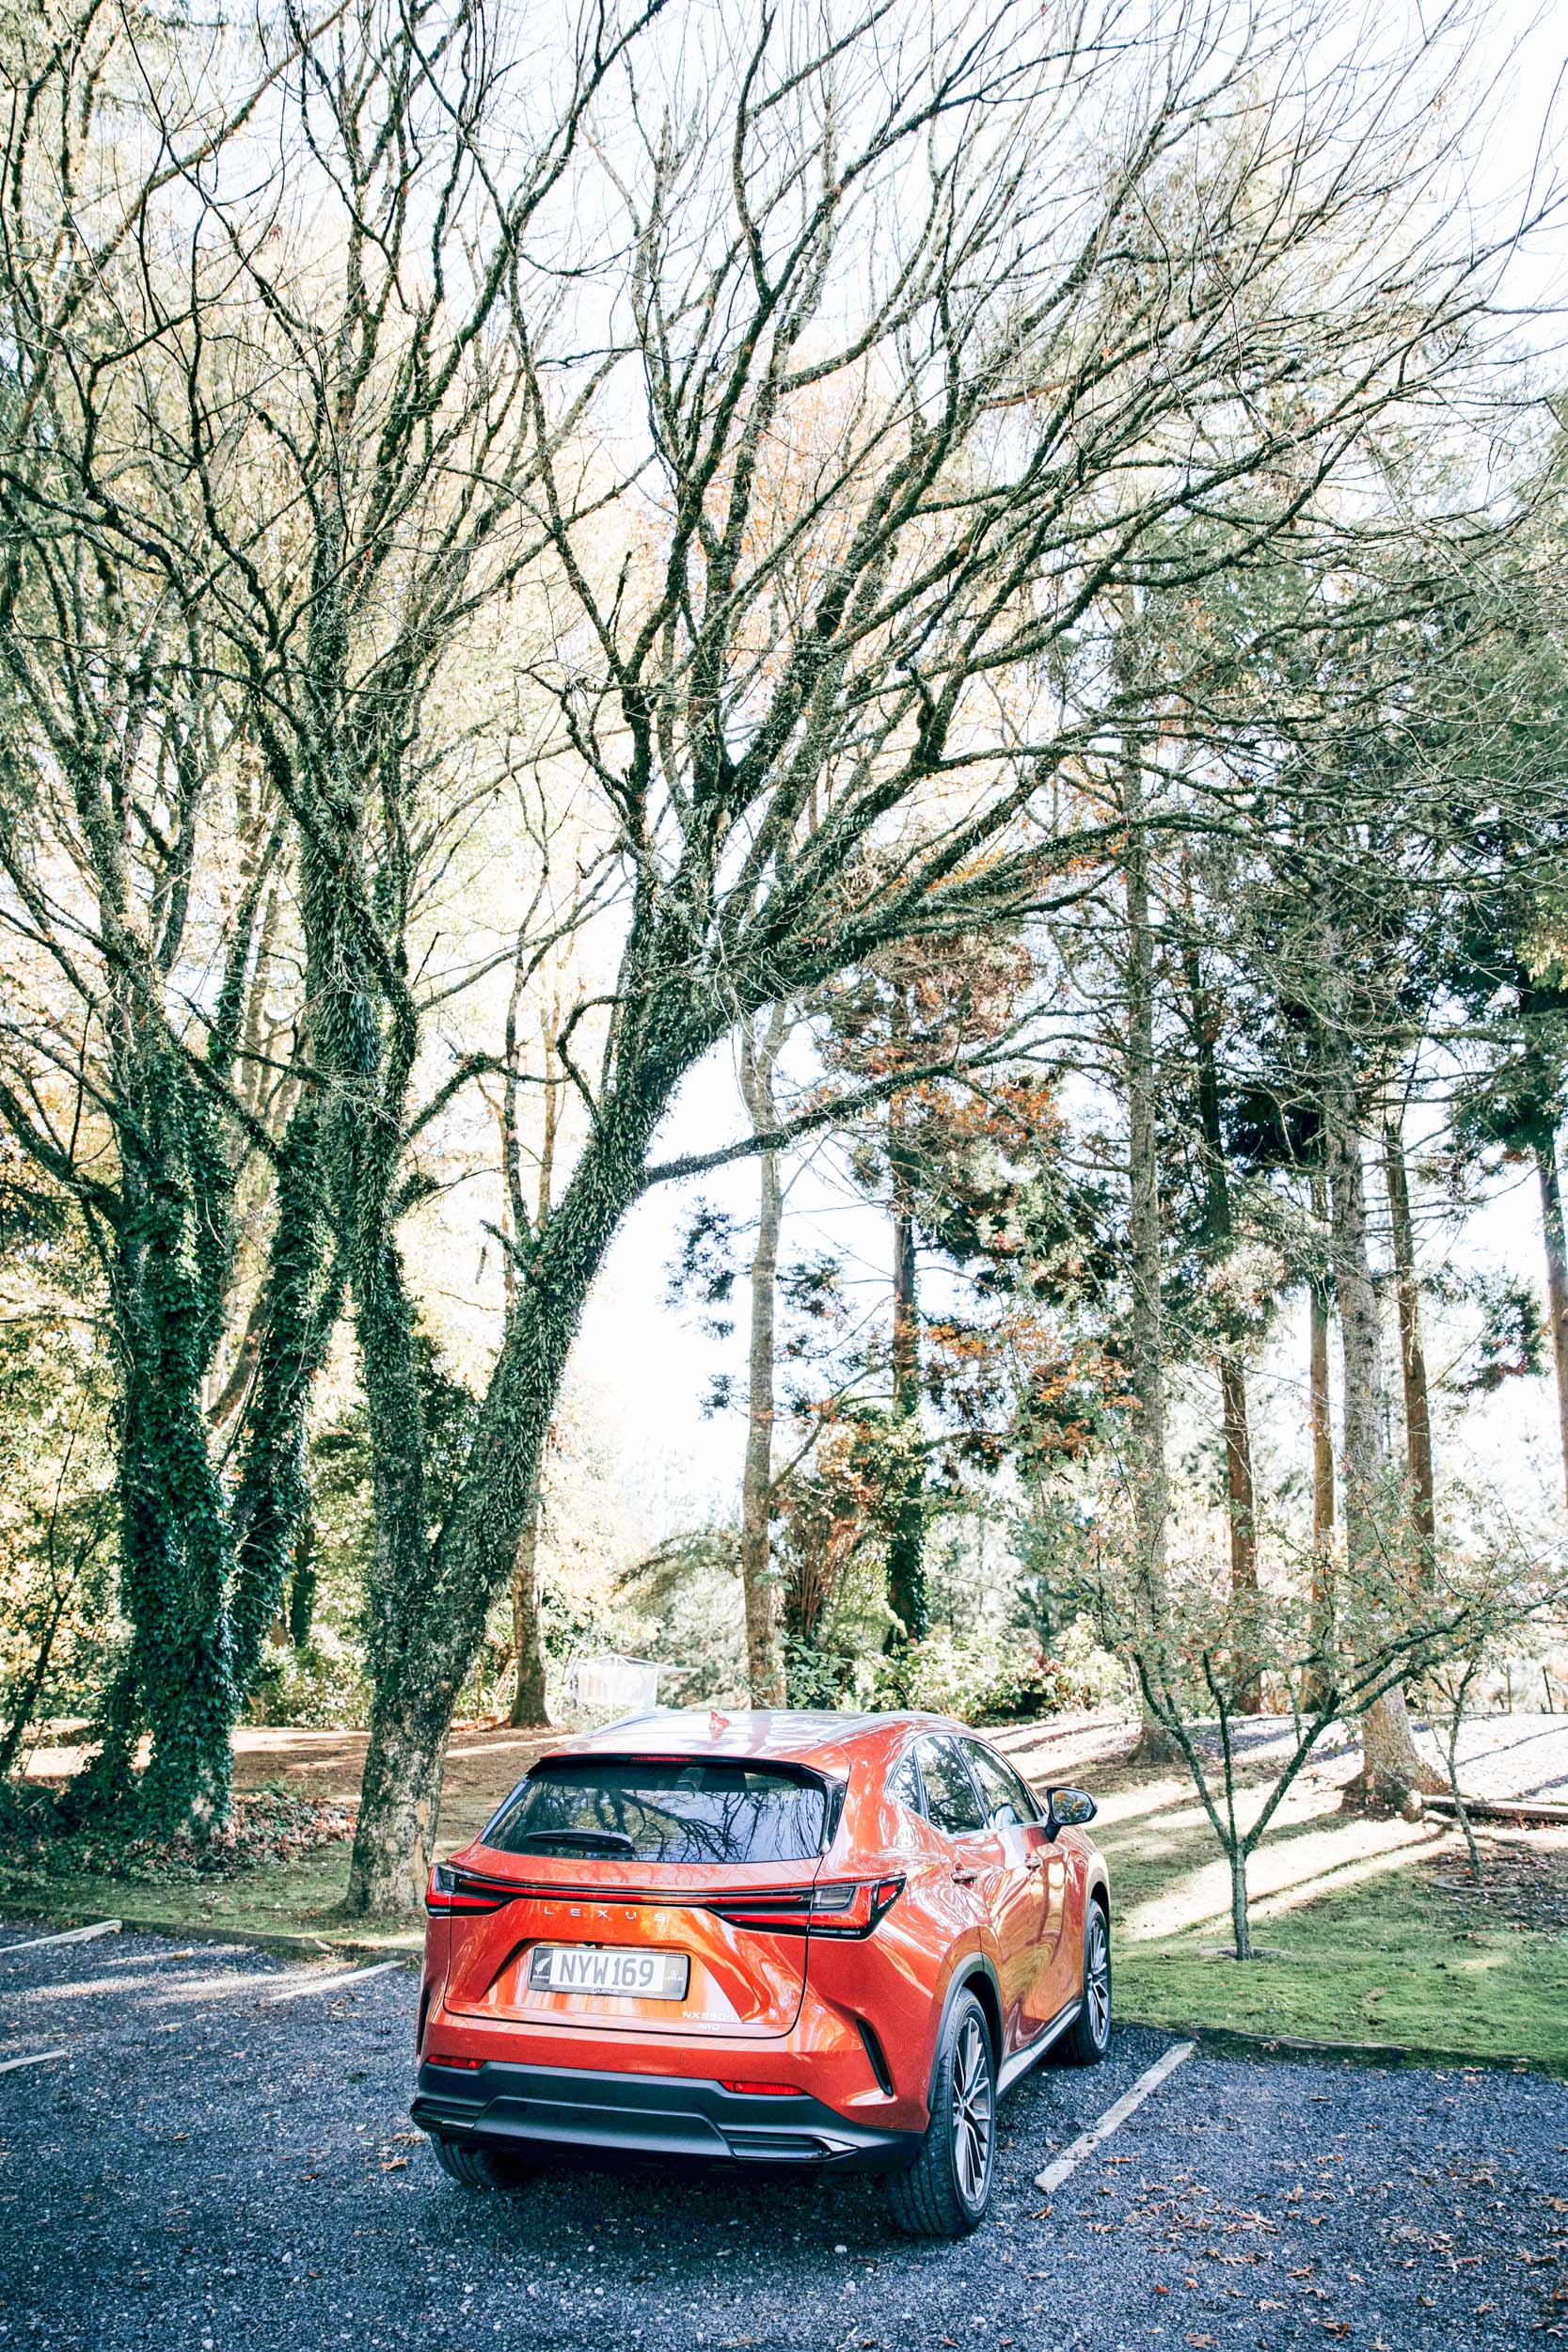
(1069,1808)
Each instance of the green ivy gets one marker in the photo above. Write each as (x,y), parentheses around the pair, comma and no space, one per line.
(175,1237)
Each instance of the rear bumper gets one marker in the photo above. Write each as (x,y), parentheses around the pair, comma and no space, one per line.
(563,2111)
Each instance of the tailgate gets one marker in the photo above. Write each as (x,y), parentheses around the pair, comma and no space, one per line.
(709,1860)
(743,1978)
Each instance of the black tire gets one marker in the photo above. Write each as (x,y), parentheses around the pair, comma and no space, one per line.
(473,2168)
(946,2190)
(1087,2039)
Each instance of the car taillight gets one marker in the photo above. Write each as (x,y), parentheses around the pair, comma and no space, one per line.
(852,1906)
(844,1907)
(452,1891)
(761,2091)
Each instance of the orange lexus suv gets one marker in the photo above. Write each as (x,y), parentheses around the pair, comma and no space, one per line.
(802,1939)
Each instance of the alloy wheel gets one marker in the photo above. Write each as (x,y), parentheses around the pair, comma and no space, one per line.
(974,2112)
(1097,1977)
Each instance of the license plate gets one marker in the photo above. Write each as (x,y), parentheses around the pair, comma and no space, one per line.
(598,1968)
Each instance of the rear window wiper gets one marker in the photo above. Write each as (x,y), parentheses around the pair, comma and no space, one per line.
(582,1840)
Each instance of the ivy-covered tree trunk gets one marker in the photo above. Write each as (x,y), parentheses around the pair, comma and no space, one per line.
(304,1580)
(430,1612)
(272,1505)
(364,1034)
(175,1682)
(414,1673)
(530,1699)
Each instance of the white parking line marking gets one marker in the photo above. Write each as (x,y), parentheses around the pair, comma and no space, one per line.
(334,1983)
(84,1988)
(70,1935)
(245,1981)
(292,1985)
(1113,2119)
(38,2058)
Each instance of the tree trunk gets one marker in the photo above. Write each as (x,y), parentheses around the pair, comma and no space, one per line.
(169,1276)
(905,1555)
(1417,1404)
(1240,1927)
(400,1795)
(299,1616)
(1389,1757)
(1320,1404)
(1322,1417)
(365,1037)
(431,1621)
(529,1696)
(1240,1503)
(304,1288)
(764,1652)
(529,1703)
(272,1507)
(1390,1761)
(1145,1323)
(25,1705)
(1557,1280)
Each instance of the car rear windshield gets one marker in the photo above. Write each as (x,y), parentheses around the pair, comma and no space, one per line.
(663,1812)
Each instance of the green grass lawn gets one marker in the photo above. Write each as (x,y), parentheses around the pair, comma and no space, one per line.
(1392,1962)
(1377,1939)
(303,1896)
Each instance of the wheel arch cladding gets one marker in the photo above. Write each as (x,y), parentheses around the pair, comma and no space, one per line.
(973,1973)
(979,1977)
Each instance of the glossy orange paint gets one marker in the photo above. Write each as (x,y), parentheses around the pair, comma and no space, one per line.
(851,2021)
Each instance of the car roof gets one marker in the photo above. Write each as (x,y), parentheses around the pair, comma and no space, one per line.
(818,1737)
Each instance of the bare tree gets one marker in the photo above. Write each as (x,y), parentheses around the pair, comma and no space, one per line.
(294,439)
(1195,1661)
(138,852)
(1041,267)
(971,243)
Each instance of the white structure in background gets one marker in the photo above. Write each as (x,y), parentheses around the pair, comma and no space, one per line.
(611,1685)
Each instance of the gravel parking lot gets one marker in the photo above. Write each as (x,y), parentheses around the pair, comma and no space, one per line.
(218,2168)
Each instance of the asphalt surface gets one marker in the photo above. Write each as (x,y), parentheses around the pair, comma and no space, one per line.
(219,2170)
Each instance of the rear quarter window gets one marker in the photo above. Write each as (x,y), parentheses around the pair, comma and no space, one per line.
(950,1794)
(712,1811)
(903,1786)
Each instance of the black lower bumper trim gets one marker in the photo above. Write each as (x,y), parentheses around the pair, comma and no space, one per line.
(568,2110)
